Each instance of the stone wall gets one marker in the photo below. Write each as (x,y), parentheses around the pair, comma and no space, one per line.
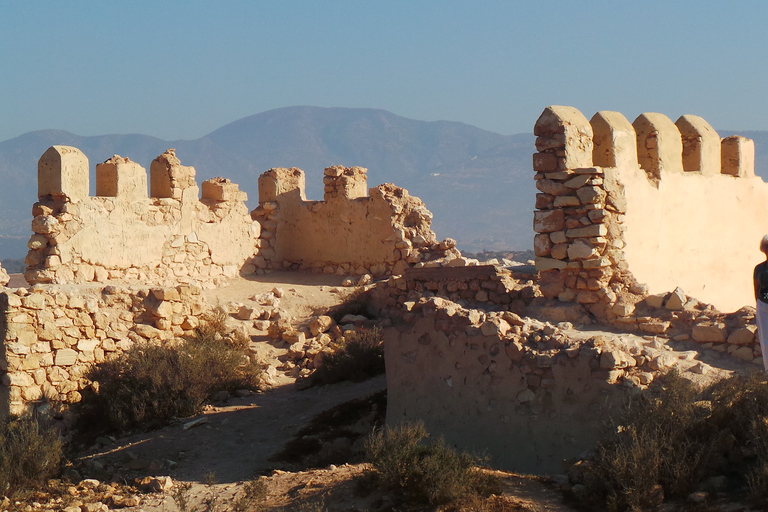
(51,334)
(476,285)
(383,231)
(122,234)
(644,208)
(509,386)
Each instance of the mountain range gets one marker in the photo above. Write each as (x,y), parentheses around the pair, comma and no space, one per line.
(478,184)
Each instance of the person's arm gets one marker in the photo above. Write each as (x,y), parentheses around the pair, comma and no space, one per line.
(756,279)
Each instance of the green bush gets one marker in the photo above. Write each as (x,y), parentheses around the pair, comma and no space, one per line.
(30,453)
(150,384)
(422,473)
(669,442)
(359,357)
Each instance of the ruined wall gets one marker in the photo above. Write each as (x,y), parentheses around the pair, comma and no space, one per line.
(51,335)
(121,234)
(644,208)
(349,232)
(509,386)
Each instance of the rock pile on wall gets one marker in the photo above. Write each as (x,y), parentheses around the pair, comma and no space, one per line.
(356,231)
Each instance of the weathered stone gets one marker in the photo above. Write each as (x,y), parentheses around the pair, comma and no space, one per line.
(587,232)
(581,249)
(676,300)
(65,357)
(709,333)
(547,221)
(743,336)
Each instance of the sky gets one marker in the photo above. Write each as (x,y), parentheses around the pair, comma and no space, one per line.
(181,69)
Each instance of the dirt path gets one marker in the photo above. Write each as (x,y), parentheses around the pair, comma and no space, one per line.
(232,442)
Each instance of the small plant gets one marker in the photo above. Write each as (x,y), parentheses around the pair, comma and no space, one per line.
(150,384)
(359,357)
(181,496)
(422,473)
(673,440)
(253,498)
(30,453)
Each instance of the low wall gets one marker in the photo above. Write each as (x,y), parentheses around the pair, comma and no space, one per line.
(51,335)
(350,232)
(168,238)
(503,385)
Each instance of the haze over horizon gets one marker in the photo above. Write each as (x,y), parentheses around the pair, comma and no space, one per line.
(178,70)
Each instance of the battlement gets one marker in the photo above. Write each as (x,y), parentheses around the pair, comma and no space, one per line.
(122,233)
(566,140)
(666,204)
(353,231)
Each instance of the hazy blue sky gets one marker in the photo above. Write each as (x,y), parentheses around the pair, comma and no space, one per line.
(178,70)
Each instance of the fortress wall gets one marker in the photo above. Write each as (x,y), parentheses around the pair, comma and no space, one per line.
(121,234)
(52,335)
(379,231)
(630,209)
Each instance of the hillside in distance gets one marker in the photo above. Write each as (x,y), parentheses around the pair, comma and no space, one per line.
(477,183)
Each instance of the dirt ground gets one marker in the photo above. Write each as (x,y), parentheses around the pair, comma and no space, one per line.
(215,457)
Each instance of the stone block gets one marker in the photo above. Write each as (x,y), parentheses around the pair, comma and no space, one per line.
(65,357)
(676,300)
(543,264)
(743,336)
(547,221)
(587,232)
(63,171)
(703,333)
(122,179)
(222,189)
(581,249)
(545,162)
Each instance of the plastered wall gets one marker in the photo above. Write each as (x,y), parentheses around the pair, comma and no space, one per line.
(652,203)
(353,231)
(170,237)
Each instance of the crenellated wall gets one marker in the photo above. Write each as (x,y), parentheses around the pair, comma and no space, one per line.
(652,202)
(350,232)
(122,234)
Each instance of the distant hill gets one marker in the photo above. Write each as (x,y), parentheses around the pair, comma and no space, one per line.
(477,183)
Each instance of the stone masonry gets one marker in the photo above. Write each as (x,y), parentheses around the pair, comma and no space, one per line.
(644,207)
(122,234)
(52,335)
(380,231)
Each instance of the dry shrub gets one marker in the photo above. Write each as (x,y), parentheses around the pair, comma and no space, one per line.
(671,441)
(150,384)
(359,357)
(30,453)
(355,303)
(425,473)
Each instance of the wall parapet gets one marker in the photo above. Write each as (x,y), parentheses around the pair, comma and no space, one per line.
(122,234)
(601,180)
(354,230)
